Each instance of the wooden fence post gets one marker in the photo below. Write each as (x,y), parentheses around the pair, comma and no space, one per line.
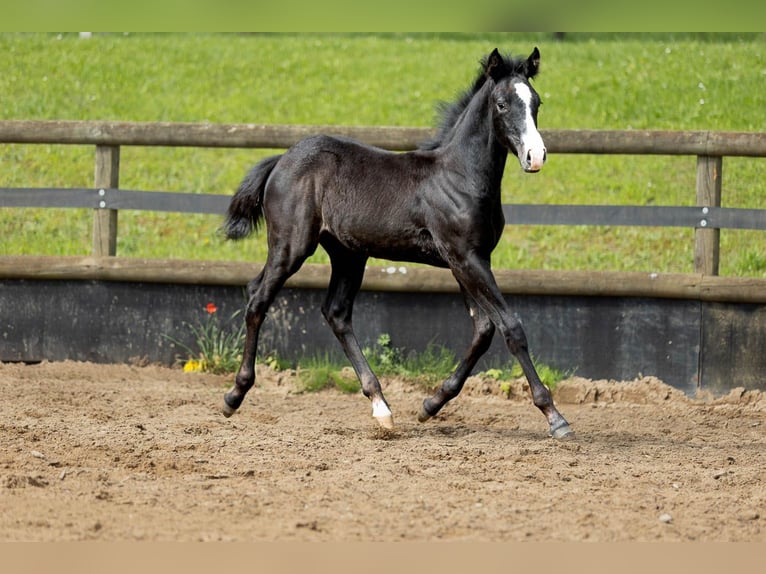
(107,176)
(707,241)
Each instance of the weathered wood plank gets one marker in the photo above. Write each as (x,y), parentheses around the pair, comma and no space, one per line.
(198,134)
(656,142)
(397,278)
(707,240)
(107,175)
(643,142)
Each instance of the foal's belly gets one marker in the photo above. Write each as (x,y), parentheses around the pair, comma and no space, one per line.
(382,242)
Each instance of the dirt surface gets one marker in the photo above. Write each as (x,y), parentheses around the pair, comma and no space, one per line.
(118,452)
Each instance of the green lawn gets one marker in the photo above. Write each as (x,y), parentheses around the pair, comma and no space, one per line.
(655,81)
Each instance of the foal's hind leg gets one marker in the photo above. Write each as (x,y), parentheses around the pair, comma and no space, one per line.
(262,292)
(483,330)
(346,278)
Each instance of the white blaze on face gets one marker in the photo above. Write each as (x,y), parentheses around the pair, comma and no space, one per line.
(532,153)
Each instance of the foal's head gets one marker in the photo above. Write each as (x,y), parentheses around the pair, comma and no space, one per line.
(514,107)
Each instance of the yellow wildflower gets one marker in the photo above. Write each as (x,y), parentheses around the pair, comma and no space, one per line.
(193,366)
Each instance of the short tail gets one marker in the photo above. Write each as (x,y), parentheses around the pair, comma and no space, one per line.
(246,208)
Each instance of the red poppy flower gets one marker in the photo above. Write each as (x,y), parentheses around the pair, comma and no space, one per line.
(211,308)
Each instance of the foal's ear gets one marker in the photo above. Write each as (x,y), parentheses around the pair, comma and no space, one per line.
(533,63)
(495,66)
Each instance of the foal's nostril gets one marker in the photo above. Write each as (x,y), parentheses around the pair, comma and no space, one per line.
(545,155)
(529,156)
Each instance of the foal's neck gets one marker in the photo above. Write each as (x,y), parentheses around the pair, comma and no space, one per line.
(473,139)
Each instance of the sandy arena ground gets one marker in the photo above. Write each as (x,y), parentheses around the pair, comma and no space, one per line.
(119,452)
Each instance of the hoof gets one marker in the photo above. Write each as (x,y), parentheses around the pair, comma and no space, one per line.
(382,413)
(386,422)
(563,433)
(423,415)
(227,410)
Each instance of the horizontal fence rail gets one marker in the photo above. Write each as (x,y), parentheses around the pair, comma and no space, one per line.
(633,215)
(207,203)
(689,286)
(515,214)
(106,198)
(631,142)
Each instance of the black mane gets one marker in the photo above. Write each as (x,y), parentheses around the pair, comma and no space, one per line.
(449,112)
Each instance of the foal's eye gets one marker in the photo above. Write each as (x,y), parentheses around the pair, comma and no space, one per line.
(501,107)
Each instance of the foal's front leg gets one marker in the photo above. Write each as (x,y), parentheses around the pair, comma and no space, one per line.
(475,275)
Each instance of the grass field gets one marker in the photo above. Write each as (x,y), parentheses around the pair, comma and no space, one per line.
(656,81)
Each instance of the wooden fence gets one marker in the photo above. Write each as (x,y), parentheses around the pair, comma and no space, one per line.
(693,330)
(106,198)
